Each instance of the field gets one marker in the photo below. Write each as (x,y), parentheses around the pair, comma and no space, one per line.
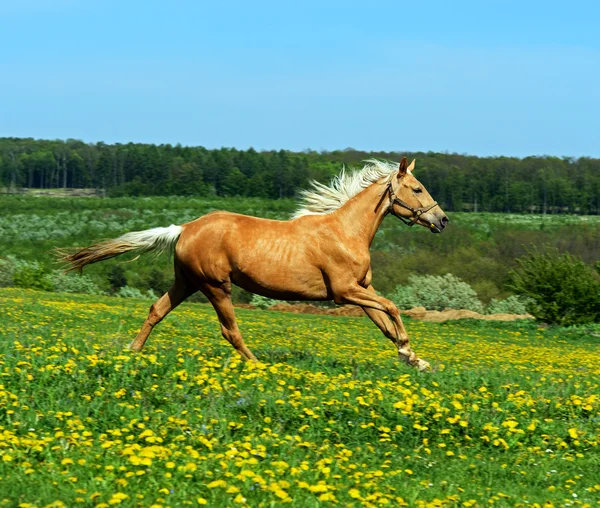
(510,416)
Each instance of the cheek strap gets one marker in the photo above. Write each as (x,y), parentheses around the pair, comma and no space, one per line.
(395,200)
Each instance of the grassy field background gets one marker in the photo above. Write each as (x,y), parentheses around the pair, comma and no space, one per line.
(510,416)
(479,248)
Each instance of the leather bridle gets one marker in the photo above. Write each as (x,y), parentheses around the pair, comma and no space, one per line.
(395,200)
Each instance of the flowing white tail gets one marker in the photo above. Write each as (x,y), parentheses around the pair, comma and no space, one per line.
(157,239)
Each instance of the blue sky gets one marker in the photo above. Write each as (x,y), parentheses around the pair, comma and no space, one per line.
(486,77)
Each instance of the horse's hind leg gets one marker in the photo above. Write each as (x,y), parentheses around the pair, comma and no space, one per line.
(220,298)
(159,309)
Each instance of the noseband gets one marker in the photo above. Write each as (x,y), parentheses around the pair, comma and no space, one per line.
(395,200)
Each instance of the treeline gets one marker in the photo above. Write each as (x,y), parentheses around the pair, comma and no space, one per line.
(458,182)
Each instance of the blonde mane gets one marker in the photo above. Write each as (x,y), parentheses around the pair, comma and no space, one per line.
(323,199)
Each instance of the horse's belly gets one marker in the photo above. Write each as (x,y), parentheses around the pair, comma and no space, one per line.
(284,284)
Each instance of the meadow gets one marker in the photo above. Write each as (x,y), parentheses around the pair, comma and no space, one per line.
(510,416)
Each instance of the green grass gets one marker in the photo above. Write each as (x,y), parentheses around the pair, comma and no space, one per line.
(511,414)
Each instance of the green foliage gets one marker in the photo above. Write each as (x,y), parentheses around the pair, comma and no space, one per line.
(116,278)
(129,292)
(562,289)
(478,248)
(7,270)
(436,292)
(71,283)
(583,332)
(458,182)
(31,275)
(514,304)
(157,281)
(262,302)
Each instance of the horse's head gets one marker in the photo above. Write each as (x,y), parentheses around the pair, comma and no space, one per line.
(410,201)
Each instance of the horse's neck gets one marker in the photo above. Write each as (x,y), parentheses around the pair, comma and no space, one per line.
(359,217)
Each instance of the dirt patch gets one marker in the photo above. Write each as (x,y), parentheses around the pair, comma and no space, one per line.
(307,308)
(419,313)
(437,316)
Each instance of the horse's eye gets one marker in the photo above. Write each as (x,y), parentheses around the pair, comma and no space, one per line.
(418,191)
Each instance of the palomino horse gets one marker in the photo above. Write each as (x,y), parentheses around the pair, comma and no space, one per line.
(321,254)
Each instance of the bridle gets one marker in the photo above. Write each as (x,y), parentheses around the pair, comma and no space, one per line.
(395,200)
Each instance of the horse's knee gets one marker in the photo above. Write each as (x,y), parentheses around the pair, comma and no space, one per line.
(393,311)
(340,296)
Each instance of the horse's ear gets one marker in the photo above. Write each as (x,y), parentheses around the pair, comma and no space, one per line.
(403,167)
(411,167)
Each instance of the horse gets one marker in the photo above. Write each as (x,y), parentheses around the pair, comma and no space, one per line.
(320,254)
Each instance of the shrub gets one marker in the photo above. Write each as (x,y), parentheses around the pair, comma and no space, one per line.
(7,271)
(157,281)
(435,292)
(562,288)
(30,275)
(262,302)
(129,292)
(117,278)
(64,283)
(514,304)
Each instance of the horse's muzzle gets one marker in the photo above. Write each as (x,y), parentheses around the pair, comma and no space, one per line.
(439,225)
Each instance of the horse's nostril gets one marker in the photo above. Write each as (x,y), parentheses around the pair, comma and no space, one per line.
(444,221)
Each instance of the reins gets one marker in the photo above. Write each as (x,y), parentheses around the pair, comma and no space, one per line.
(395,200)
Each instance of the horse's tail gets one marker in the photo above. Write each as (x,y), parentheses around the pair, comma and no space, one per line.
(158,239)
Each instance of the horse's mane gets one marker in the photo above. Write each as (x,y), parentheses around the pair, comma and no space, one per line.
(322,199)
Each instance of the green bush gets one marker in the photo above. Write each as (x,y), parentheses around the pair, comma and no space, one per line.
(117,278)
(158,281)
(7,271)
(435,292)
(512,305)
(69,283)
(262,302)
(562,288)
(129,292)
(30,275)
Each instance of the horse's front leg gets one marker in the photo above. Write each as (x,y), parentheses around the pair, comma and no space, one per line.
(379,309)
(384,323)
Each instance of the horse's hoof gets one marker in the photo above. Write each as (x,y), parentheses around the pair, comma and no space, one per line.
(422,365)
(134,347)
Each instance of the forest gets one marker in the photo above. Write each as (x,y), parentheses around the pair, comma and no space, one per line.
(541,185)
